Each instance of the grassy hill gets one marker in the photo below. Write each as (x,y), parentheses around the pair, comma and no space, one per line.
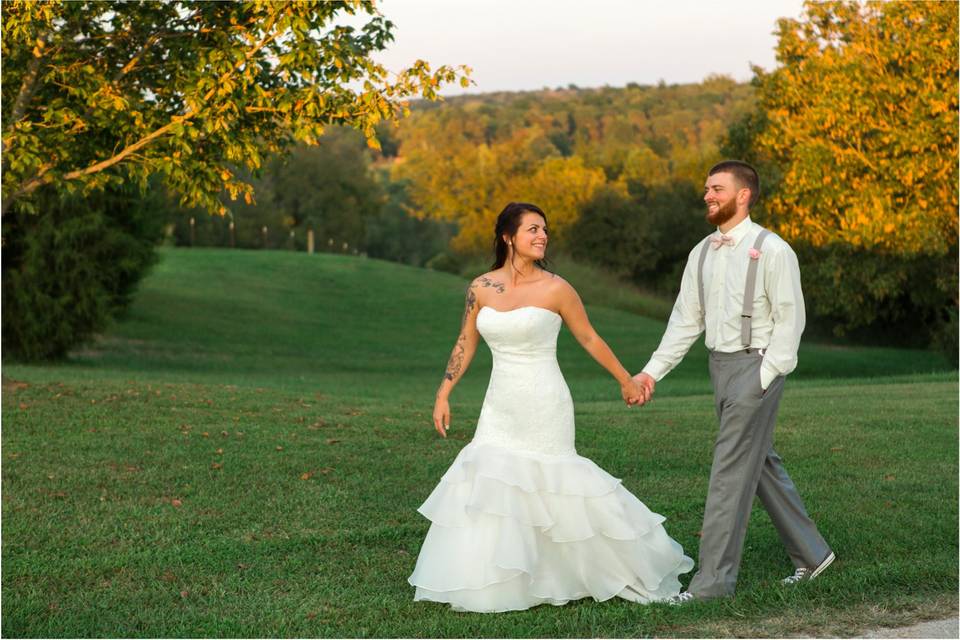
(301,322)
(243,455)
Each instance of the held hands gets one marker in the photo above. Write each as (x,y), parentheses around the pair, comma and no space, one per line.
(441,416)
(644,384)
(632,393)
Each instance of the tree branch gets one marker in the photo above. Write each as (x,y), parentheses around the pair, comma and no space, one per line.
(44,177)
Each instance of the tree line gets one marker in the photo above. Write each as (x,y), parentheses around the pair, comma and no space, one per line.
(854,134)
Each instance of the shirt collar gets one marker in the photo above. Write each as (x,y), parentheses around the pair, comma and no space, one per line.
(738,232)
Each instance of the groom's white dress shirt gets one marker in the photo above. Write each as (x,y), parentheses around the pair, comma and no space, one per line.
(778,311)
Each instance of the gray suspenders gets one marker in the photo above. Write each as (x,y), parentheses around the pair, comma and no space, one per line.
(748,290)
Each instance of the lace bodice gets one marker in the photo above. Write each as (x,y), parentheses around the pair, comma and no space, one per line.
(528,405)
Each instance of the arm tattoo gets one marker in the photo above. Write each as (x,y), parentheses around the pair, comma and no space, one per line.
(456,360)
(468,307)
(455,365)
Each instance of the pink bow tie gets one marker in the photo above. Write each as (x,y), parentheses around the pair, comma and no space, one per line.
(716,241)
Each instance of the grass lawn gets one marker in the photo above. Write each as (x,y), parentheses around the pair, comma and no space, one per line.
(243,455)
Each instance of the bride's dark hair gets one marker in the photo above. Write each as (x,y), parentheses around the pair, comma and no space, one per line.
(507,224)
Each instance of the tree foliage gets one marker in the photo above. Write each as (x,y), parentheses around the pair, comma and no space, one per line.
(98,93)
(644,234)
(559,149)
(855,136)
(861,117)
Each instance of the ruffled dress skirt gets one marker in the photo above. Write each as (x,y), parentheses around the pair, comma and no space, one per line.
(511,530)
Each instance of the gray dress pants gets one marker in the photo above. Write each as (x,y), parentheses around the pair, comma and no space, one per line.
(745,465)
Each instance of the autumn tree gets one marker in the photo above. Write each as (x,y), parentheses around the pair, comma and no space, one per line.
(97,93)
(857,129)
(862,117)
(464,160)
(102,99)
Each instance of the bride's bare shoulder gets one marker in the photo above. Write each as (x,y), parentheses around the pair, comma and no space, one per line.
(558,284)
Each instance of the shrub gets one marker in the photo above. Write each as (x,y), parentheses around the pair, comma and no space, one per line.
(70,267)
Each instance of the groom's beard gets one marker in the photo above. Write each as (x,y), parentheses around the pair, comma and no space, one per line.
(723,213)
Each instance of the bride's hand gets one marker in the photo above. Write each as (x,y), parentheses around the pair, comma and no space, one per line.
(441,416)
(631,392)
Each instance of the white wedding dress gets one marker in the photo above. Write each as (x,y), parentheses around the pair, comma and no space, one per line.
(520,519)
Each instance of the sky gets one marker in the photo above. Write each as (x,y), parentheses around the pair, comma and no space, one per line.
(516,45)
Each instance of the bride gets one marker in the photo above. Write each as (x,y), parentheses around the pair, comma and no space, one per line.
(519,519)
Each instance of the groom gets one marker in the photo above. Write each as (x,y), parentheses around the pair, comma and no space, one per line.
(742,285)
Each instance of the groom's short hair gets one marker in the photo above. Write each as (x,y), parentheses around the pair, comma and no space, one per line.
(743,174)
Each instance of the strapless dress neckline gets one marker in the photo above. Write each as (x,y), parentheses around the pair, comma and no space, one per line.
(526,306)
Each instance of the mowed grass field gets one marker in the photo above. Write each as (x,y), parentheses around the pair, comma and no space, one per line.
(243,455)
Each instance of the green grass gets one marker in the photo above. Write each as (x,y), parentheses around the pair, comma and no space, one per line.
(309,380)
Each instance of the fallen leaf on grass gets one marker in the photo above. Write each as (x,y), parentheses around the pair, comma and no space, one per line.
(242,566)
(184,593)
(836,448)
(306,475)
(23,406)
(333,440)
(9,384)
(219,452)
(216,465)
(279,448)
(176,502)
(889,476)
(205,434)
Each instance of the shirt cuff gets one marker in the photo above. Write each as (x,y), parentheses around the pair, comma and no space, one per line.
(767,374)
(656,370)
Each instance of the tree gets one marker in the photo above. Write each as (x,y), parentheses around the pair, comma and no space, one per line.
(855,136)
(862,118)
(72,266)
(329,187)
(643,233)
(100,93)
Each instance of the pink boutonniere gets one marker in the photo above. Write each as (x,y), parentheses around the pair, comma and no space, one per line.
(754,253)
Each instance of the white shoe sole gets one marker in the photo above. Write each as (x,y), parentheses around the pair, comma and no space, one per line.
(823,565)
